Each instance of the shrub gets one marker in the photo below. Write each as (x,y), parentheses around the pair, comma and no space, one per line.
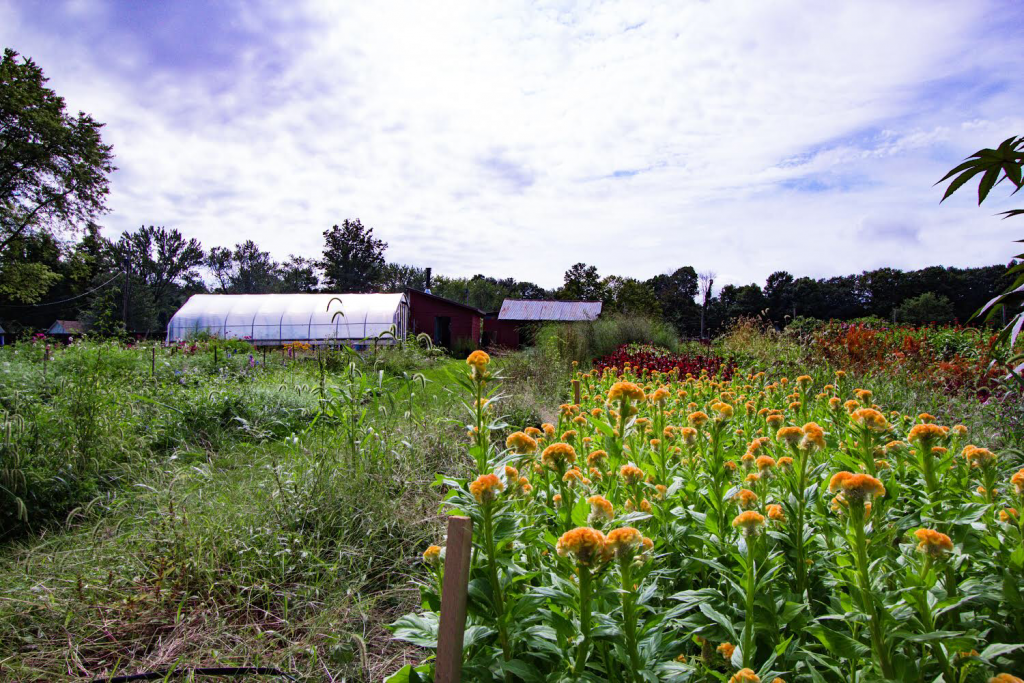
(582,341)
(924,309)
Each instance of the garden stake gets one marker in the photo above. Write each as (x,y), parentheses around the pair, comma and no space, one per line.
(453,599)
(576,391)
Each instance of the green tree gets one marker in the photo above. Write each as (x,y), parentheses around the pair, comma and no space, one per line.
(54,167)
(676,293)
(633,296)
(582,283)
(298,275)
(925,308)
(397,277)
(353,258)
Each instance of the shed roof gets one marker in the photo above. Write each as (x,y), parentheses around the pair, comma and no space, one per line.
(276,318)
(66,327)
(420,292)
(565,311)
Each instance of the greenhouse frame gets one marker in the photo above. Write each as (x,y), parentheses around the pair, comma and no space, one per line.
(277,319)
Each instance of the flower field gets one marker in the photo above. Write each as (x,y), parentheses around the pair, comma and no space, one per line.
(652,358)
(680,526)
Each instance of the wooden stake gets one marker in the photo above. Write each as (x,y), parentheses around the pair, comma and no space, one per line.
(454,593)
(215,357)
(576,391)
(264,357)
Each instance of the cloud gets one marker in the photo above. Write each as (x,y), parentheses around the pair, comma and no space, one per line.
(516,138)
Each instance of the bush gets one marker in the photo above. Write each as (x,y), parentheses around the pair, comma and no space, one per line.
(583,341)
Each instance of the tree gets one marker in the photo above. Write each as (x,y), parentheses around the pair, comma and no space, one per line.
(924,309)
(633,296)
(256,272)
(298,275)
(676,293)
(397,277)
(353,258)
(778,291)
(582,283)
(221,263)
(54,167)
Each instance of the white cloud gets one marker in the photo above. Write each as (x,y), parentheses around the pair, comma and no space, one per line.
(486,137)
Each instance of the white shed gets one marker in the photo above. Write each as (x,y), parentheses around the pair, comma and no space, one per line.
(270,319)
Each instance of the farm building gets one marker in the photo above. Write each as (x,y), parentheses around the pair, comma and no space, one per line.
(274,319)
(506,328)
(65,328)
(449,323)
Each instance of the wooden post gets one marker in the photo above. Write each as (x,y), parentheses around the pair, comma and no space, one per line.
(214,357)
(264,357)
(453,600)
(575,393)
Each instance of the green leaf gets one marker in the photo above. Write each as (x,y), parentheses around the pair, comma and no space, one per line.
(999,649)
(418,629)
(837,643)
(987,181)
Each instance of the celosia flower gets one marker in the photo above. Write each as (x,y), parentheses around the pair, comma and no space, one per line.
(631,474)
(749,521)
(521,443)
(981,457)
(432,555)
(745,676)
(804,381)
(786,463)
(926,418)
(1008,515)
(585,543)
(726,650)
(622,391)
(1005,678)
(697,419)
(549,429)
(925,435)
(745,498)
(689,435)
(856,488)
(834,403)
(790,435)
(597,458)
(557,500)
(623,543)
(814,437)
(1018,481)
(558,455)
(729,465)
(882,465)
(600,509)
(775,512)
(870,419)
(569,436)
(573,477)
(660,396)
(748,460)
(645,505)
(533,432)
(765,462)
(960,430)
(863,395)
(661,491)
(724,410)
(511,473)
(851,405)
(775,421)
(486,488)
(933,543)
(478,360)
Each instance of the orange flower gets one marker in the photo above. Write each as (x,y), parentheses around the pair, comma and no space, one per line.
(1018,481)
(726,650)
(834,403)
(549,429)
(486,488)
(790,435)
(511,473)
(569,436)
(521,443)
(597,458)
(1008,515)
(745,498)
(478,360)
(925,435)
(600,509)
(625,391)
(786,463)
(933,543)
(660,396)
(765,462)
(863,395)
(1005,678)
(585,543)
(926,418)
(533,432)
(749,521)
(856,488)
(624,542)
(814,437)
(775,421)
(558,455)
(775,513)
(870,419)
(697,419)
(981,457)
(631,474)
(745,676)
(432,555)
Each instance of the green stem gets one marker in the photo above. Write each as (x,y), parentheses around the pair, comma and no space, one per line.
(581,655)
(748,622)
(629,613)
(867,600)
(499,602)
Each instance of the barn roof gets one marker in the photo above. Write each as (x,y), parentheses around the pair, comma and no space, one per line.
(66,327)
(451,302)
(278,318)
(564,311)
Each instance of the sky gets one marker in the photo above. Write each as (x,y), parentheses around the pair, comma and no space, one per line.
(515,139)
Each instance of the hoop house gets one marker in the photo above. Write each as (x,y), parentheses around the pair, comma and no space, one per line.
(274,319)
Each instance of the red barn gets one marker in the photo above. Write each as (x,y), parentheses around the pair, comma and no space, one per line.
(504,329)
(449,323)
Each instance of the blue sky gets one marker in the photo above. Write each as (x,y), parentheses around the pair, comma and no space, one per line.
(516,138)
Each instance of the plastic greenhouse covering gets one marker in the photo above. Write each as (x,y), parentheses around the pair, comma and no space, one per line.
(269,319)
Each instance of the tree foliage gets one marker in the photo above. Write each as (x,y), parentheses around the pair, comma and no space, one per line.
(353,259)
(54,167)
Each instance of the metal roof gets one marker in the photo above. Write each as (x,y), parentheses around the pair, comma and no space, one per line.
(565,311)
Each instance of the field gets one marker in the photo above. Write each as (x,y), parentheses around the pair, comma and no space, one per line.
(208,509)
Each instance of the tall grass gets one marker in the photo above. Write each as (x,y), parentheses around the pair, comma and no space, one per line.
(584,341)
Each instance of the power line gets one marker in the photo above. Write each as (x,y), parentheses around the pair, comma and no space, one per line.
(64,301)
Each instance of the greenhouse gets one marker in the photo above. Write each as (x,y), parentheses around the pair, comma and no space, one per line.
(275,319)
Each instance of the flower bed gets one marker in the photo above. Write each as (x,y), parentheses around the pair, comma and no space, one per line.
(743,530)
(646,357)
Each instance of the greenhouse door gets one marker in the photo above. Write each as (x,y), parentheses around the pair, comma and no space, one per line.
(443,331)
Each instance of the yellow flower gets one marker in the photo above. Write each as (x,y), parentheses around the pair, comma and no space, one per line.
(925,435)
(521,443)
(697,419)
(775,512)
(870,419)
(790,435)
(558,455)
(863,395)
(585,543)
(981,457)
(600,509)
(745,676)
(486,488)
(724,410)
(689,435)
(1018,481)
(1005,678)
(856,488)
(432,555)
(660,396)
(785,463)
(804,380)
(933,543)
(569,436)
(749,521)
(533,432)
(622,391)
(1008,515)
(726,650)
(623,543)
(926,418)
